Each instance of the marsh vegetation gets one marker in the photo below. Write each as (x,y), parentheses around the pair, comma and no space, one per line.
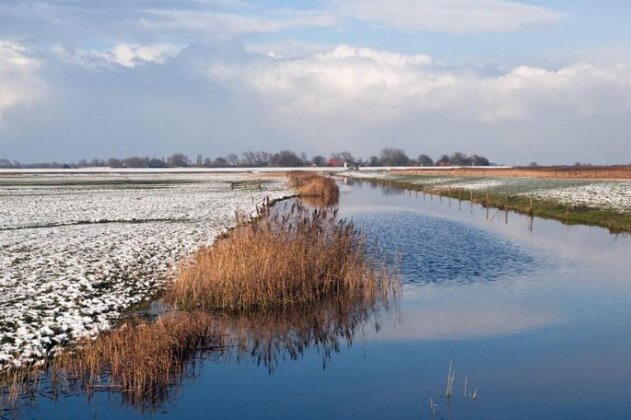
(290,279)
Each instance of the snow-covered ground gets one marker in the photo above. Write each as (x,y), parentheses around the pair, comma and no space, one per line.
(609,195)
(468,185)
(77,250)
(364,174)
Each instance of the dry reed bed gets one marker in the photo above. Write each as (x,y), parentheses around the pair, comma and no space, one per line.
(298,257)
(141,360)
(316,190)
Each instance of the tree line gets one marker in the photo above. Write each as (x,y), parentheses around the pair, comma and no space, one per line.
(285,158)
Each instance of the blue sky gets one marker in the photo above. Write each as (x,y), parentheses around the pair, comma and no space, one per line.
(518,81)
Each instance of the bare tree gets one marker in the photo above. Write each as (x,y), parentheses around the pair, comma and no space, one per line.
(286,158)
(232,159)
(179,160)
(318,160)
(393,157)
(424,160)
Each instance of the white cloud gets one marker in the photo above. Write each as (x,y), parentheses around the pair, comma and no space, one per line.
(19,81)
(122,54)
(450,16)
(324,82)
(365,81)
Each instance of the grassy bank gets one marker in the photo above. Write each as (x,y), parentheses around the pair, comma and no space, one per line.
(615,221)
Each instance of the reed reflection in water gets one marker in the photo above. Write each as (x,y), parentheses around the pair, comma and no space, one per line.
(147,362)
(271,337)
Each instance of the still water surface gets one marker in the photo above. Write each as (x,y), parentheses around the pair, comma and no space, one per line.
(535,314)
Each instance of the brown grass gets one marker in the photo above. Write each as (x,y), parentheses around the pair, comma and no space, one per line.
(280,260)
(18,383)
(141,361)
(557,172)
(316,190)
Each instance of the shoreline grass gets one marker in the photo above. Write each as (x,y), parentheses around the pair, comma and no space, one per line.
(614,221)
(139,360)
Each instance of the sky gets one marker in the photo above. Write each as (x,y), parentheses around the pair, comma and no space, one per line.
(516,81)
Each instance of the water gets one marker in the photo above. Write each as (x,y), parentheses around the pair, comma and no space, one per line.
(534,313)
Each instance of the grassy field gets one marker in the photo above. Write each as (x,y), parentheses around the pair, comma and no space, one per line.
(571,200)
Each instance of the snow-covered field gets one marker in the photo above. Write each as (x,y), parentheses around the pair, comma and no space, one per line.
(610,195)
(77,250)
